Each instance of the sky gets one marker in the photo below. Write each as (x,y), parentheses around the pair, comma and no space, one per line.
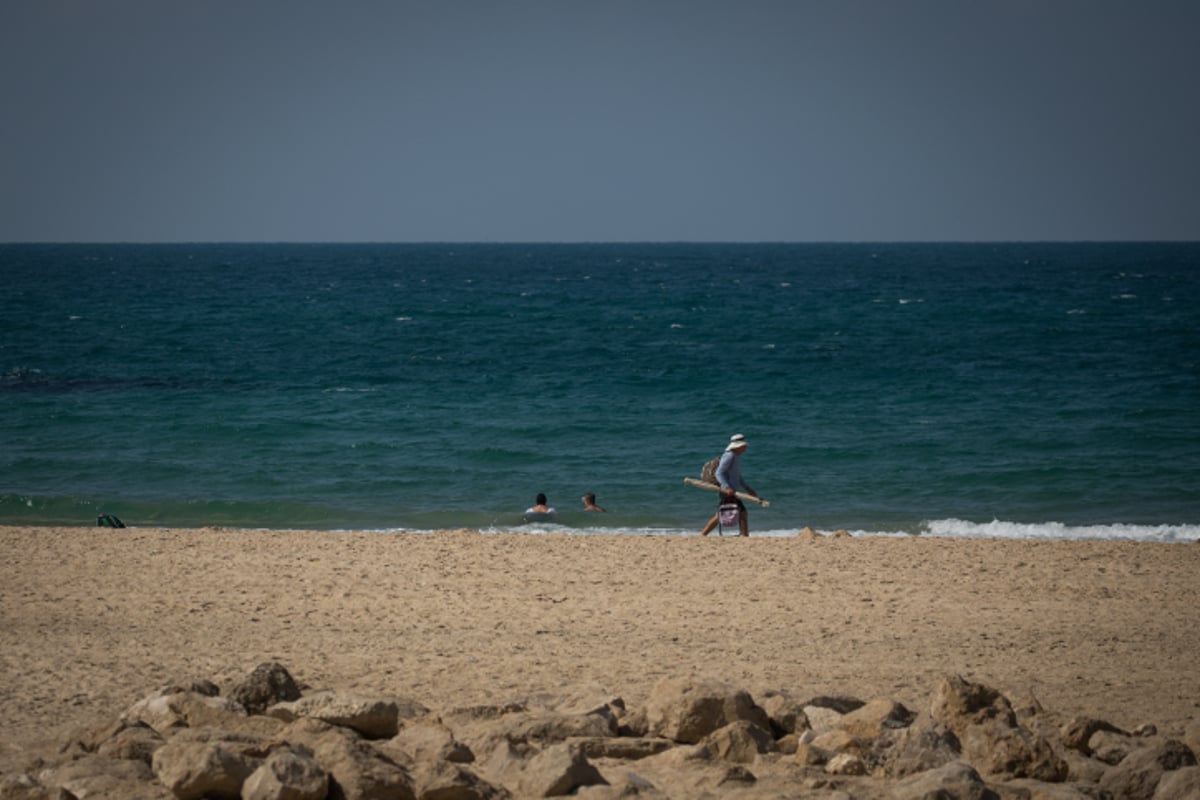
(608,120)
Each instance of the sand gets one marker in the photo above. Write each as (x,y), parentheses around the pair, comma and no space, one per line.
(91,619)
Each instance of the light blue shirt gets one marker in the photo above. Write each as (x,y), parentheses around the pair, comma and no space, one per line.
(729,471)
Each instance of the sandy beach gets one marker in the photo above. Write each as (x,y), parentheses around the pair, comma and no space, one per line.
(91,619)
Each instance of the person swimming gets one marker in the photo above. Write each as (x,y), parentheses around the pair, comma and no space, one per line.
(589,502)
(540,511)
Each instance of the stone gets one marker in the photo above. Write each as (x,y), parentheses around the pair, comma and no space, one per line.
(287,775)
(686,710)
(925,745)
(1110,747)
(557,771)
(821,718)
(837,741)
(442,780)
(846,764)
(373,717)
(529,728)
(869,721)
(624,748)
(786,714)
(1179,784)
(990,737)
(1029,789)
(194,770)
(427,739)
(97,776)
(739,742)
(268,684)
(995,747)
(357,770)
(958,703)
(1077,731)
(1191,734)
(135,742)
(954,780)
(842,704)
(1139,773)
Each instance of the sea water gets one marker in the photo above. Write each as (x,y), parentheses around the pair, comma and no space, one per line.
(995,390)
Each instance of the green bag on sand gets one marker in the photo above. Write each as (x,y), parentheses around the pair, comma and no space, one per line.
(109,521)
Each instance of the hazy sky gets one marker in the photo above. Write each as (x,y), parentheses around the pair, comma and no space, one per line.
(746,120)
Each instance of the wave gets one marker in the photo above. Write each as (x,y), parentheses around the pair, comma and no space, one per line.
(22,509)
(998,529)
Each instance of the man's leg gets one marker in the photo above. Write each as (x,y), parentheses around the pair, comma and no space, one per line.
(712,523)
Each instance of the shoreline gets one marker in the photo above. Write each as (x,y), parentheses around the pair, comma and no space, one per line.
(92,618)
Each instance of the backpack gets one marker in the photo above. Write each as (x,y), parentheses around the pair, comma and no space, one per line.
(708,473)
(109,521)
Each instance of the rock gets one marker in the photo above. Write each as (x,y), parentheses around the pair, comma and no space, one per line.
(821,718)
(955,780)
(958,703)
(135,742)
(739,742)
(357,770)
(1077,731)
(556,771)
(869,721)
(808,756)
(624,748)
(1191,734)
(97,776)
(427,739)
(528,728)
(991,739)
(1029,789)
(1081,769)
(155,710)
(373,717)
(268,684)
(196,770)
(737,775)
(837,741)
(687,710)
(924,745)
(786,715)
(287,775)
(441,780)
(839,703)
(997,748)
(846,764)
(1140,772)
(23,787)
(1179,784)
(1110,747)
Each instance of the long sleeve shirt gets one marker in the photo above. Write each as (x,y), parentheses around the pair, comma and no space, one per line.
(729,471)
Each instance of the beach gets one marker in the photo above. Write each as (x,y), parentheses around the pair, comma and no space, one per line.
(92,619)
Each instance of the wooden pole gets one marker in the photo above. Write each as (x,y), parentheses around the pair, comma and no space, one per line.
(712,487)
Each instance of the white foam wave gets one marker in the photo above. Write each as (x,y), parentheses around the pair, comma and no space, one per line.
(999,529)
(945,528)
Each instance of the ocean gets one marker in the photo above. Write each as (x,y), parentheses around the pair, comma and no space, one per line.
(1039,390)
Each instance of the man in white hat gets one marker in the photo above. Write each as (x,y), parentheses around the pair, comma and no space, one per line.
(729,476)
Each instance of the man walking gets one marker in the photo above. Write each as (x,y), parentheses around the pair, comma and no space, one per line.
(729,476)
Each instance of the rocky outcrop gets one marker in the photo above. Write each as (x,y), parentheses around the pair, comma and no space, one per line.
(692,738)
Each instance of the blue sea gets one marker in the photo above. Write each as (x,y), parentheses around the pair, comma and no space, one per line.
(1036,391)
